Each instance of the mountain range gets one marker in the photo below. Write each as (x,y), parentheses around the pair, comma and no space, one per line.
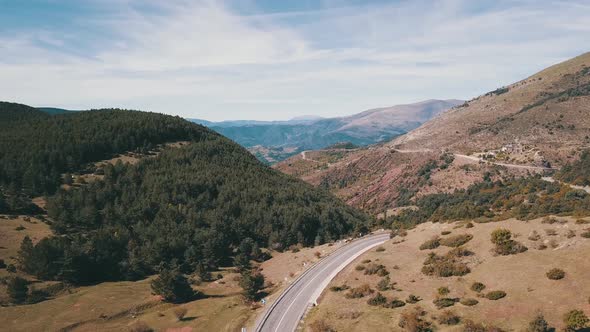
(276,140)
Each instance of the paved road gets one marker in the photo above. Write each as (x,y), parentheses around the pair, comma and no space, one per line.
(286,312)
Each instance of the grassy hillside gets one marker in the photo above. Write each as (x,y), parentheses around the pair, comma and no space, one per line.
(189,206)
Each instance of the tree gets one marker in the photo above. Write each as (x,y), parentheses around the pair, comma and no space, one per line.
(251,283)
(575,320)
(173,286)
(242,262)
(25,254)
(17,289)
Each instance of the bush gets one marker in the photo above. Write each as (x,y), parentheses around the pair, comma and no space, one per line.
(17,289)
(414,320)
(539,324)
(443,291)
(11,268)
(430,244)
(534,236)
(469,302)
(173,287)
(449,318)
(180,312)
(582,222)
(550,232)
(360,291)
(495,295)
(444,302)
(395,303)
(445,232)
(380,249)
(380,270)
(575,320)
(413,299)
(339,288)
(555,274)
(384,284)
(377,300)
(2,264)
(469,225)
(444,266)
(586,234)
(359,267)
(457,240)
(477,287)
(500,236)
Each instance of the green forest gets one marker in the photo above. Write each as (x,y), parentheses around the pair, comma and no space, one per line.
(190,207)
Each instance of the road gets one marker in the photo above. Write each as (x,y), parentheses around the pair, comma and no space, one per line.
(286,312)
(550,179)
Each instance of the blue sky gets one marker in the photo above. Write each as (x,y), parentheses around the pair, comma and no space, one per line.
(274,60)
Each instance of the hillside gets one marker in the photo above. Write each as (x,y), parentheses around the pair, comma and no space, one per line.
(283,139)
(540,122)
(190,204)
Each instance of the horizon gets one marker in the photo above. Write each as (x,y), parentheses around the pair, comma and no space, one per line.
(273,61)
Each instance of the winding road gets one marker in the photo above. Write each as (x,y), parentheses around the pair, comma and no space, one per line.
(286,312)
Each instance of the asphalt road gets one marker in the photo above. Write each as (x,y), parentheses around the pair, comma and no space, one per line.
(286,312)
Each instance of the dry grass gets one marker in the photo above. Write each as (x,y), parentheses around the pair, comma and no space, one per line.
(522,277)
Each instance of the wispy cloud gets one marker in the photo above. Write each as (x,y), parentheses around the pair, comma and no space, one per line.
(223,61)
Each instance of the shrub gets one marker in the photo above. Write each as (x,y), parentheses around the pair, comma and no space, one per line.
(173,287)
(570,234)
(586,234)
(20,228)
(17,289)
(317,254)
(377,300)
(510,247)
(539,324)
(445,232)
(469,302)
(378,269)
(414,320)
(413,299)
(469,225)
(430,244)
(555,274)
(500,236)
(366,261)
(2,264)
(444,302)
(575,320)
(444,266)
(549,220)
(495,295)
(443,291)
(11,268)
(359,267)
(180,312)
(477,287)
(380,249)
(339,288)
(582,222)
(460,252)
(320,326)
(395,303)
(448,317)
(457,240)
(360,291)
(384,284)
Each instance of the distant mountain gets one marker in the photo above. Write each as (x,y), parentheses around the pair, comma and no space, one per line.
(308,133)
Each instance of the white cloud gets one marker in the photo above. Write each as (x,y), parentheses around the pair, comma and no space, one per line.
(204,60)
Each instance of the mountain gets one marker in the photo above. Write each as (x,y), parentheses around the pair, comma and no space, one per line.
(539,122)
(297,135)
(188,204)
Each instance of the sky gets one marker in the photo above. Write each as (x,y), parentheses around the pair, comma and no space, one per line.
(276,59)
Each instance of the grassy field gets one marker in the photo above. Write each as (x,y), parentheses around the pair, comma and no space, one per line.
(521,276)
